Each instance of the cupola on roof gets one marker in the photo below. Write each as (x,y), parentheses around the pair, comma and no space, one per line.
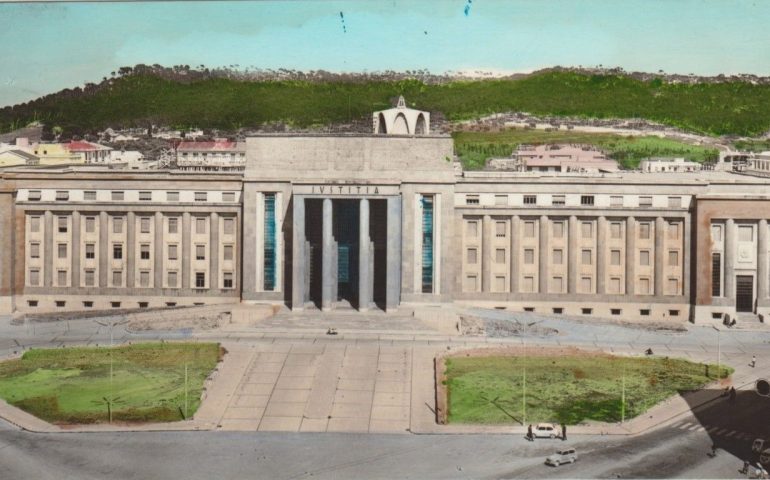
(401,120)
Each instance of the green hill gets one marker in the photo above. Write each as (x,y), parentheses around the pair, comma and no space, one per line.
(733,107)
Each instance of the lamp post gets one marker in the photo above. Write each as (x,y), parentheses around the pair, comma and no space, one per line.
(719,355)
(112,326)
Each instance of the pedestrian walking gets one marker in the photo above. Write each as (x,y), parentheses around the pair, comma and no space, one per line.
(713,449)
(745,469)
(733,394)
(529,434)
(563,431)
(753,361)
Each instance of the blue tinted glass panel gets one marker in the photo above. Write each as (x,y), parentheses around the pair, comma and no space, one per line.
(427,244)
(270,241)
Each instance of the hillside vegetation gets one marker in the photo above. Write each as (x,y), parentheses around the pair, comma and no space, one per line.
(474,148)
(731,107)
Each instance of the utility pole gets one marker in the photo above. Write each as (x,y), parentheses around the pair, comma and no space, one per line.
(112,326)
(623,397)
(185,390)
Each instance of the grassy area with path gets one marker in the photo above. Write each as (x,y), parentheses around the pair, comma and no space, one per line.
(141,383)
(565,389)
(474,148)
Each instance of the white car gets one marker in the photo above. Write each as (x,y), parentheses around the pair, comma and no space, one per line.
(565,455)
(546,430)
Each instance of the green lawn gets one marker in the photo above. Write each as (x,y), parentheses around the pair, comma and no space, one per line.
(569,389)
(474,148)
(73,385)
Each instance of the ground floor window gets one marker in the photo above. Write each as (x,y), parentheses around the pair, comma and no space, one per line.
(427,243)
(270,243)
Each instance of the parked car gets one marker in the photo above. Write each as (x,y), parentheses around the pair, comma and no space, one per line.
(546,430)
(565,455)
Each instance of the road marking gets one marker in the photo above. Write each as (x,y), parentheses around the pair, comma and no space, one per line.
(739,436)
(694,427)
(733,432)
(711,429)
(677,424)
(700,429)
(684,426)
(721,431)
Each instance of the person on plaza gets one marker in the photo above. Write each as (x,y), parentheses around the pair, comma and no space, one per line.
(529,434)
(745,468)
(753,361)
(713,449)
(733,394)
(563,431)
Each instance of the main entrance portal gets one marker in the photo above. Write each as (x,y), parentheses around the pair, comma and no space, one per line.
(348,252)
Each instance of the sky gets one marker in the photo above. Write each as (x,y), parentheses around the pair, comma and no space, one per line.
(45,47)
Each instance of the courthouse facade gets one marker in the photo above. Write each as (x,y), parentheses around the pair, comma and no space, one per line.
(375,221)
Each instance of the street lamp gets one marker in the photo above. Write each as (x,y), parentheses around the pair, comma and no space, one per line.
(719,355)
(112,324)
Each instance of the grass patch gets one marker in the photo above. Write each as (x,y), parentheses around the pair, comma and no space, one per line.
(72,385)
(474,148)
(565,389)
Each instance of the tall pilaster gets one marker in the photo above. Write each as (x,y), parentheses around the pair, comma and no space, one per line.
(48,249)
(687,251)
(542,264)
(328,270)
(158,253)
(365,277)
(104,250)
(486,254)
(75,282)
(660,254)
(298,263)
(630,256)
(572,255)
(515,257)
(762,267)
(730,247)
(393,270)
(601,256)
(215,280)
(186,253)
(131,250)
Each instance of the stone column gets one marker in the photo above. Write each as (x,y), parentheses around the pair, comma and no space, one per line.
(515,257)
(49,225)
(660,254)
(104,248)
(365,277)
(393,270)
(730,247)
(214,252)
(157,260)
(131,249)
(186,250)
(542,264)
(486,254)
(601,255)
(630,255)
(298,260)
(762,273)
(75,251)
(686,258)
(572,254)
(328,270)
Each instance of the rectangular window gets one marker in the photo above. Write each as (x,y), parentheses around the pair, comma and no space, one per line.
(673,230)
(645,201)
(172,252)
(427,243)
(61,278)
(200,252)
(117,251)
(60,303)
(673,313)
(644,286)
(615,230)
(115,304)
(528,285)
(586,311)
(674,202)
(89,196)
(586,284)
(586,199)
(558,200)
(172,196)
(200,225)
(557,310)
(227,252)
(89,278)
(644,230)
(62,195)
(117,224)
(615,285)
(644,257)
(90,224)
(586,257)
(35,195)
(200,280)
(501,199)
(227,280)
(472,256)
(144,251)
(88,304)
(716,233)
(471,199)
(470,284)
(499,283)
(144,304)
(614,257)
(117,278)
(500,255)
(557,229)
(145,196)
(672,286)
(173,224)
(500,229)
(529,256)
(645,312)
(587,229)
(144,278)
(34,277)
(229,226)
(117,196)
(200,196)
(62,223)
(144,224)
(716,274)
(745,233)
(616,201)
(615,311)
(472,228)
(172,279)
(530,199)
(557,285)
(34,224)
(34,250)
(62,250)
(529,229)
(228,196)
(558,257)
(673,258)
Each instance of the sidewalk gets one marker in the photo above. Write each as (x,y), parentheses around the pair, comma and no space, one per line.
(368,378)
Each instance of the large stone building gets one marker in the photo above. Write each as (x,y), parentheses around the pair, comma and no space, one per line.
(375,221)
